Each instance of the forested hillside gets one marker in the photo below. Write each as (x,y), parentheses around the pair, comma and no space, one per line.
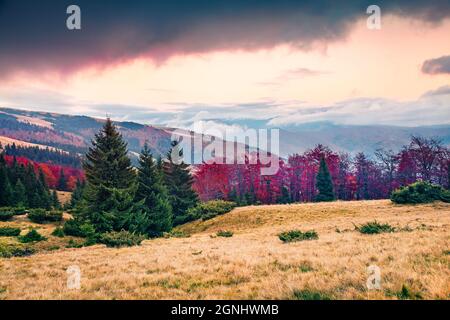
(359,177)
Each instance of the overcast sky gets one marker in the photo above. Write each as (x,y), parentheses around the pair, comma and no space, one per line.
(284,62)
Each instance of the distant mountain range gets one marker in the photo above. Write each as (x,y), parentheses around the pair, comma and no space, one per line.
(74,133)
(347,138)
(353,139)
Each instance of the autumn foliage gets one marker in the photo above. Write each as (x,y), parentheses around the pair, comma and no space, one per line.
(361,177)
(51,172)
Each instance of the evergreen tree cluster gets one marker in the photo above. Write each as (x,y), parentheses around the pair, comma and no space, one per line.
(20,186)
(117,196)
(46,155)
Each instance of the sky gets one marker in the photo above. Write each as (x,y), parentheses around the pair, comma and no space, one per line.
(280,62)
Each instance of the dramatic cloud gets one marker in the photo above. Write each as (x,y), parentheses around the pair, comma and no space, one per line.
(34,38)
(436,66)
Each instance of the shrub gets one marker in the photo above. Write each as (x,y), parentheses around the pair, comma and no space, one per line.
(78,228)
(306,266)
(445,196)
(9,232)
(72,228)
(308,294)
(176,234)
(32,236)
(19,211)
(90,241)
(205,211)
(15,250)
(58,232)
(121,239)
(88,232)
(42,216)
(420,192)
(297,235)
(37,215)
(225,234)
(73,244)
(407,294)
(179,220)
(6,214)
(375,228)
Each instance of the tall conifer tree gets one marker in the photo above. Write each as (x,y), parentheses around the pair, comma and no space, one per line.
(62,181)
(110,180)
(324,183)
(20,195)
(43,192)
(6,193)
(55,201)
(179,182)
(153,212)
(77,194)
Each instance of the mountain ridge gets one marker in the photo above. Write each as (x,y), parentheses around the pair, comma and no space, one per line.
(74,133)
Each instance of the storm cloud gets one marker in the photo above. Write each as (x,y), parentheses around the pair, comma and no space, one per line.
(437,66)
(34,37)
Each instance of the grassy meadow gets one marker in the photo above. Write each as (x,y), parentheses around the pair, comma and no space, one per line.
(252,263)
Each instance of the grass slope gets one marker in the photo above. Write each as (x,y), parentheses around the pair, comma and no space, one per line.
(254,263)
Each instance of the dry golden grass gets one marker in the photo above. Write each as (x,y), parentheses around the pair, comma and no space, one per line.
(64,196)
(254,263)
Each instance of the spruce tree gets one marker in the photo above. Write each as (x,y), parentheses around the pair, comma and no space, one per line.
(179,182)
(43,196)
(250,197)
(160,166)
(42,179)
(9,195)
(13,172)
(6,192)
(20,195)
(55,201)
(30,183)
(62,181)
(285,196)
(323,183)
(3,180)
(110,180)
(153,213)
(77,194)
(233,196)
